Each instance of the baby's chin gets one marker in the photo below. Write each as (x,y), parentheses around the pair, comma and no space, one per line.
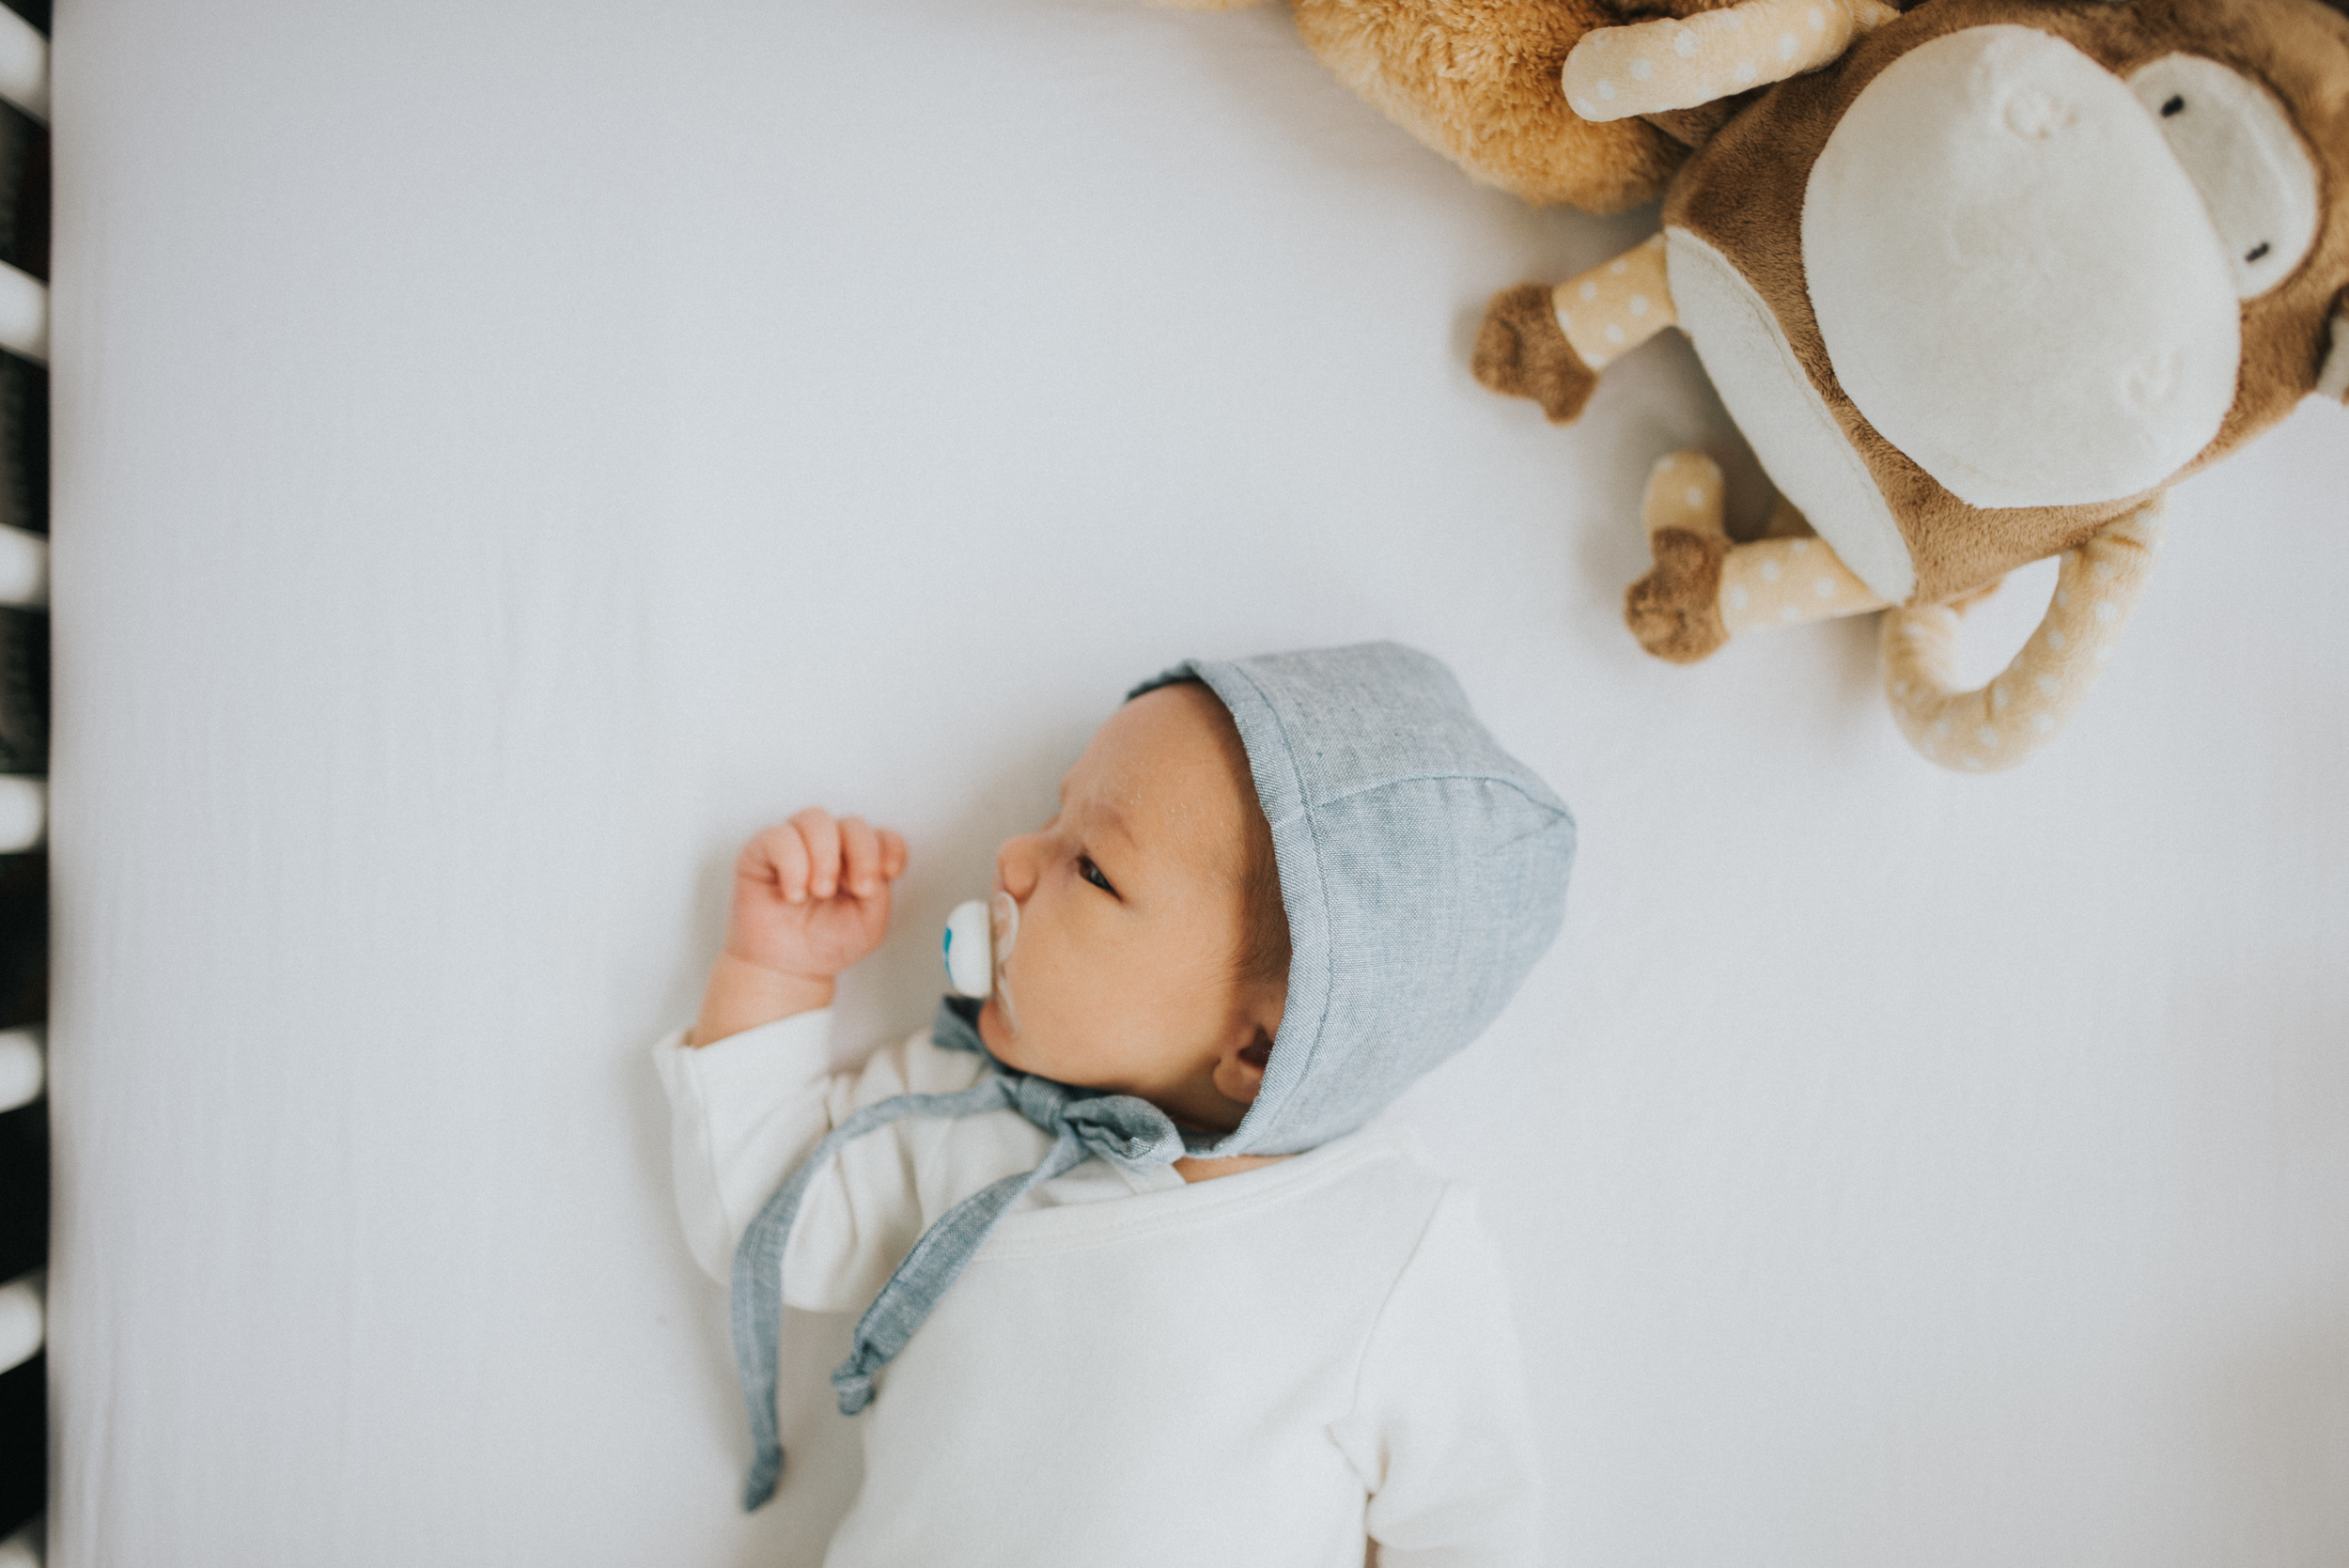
(996,1034)
(1019,1052)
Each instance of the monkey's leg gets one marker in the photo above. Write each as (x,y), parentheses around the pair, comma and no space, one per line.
(1551,344)
(1705,589)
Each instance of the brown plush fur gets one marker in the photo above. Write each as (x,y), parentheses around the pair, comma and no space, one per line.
(1743,192)
(1477,80)
(1674,611)
(1521,353)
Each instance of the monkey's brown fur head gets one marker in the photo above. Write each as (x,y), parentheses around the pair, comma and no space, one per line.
(2166,303)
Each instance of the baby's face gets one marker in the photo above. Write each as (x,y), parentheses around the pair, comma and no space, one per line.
(1132,904)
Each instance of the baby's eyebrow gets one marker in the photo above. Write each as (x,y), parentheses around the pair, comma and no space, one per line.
(1115,820)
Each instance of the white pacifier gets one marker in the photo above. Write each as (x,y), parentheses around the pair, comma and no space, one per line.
(979,936)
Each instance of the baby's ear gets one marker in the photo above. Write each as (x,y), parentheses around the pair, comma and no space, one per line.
(2332,376)
(1240,1074)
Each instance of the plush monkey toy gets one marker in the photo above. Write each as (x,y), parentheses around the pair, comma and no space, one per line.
(1979,280)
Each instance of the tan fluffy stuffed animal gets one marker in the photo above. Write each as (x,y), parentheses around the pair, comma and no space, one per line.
(1979,280)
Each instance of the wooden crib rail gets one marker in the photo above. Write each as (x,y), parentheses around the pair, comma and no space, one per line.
(24,114)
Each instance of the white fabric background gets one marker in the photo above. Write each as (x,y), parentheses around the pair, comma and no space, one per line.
(507,453)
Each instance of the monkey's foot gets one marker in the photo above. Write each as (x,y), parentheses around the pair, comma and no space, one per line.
(1674,611)
(1520,352)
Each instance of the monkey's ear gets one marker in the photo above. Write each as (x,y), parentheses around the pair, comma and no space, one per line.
(2332,376)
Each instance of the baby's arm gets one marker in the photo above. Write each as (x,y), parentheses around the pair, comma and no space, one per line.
(746,1111)
(752,1092)
(1440,1432)
(750,1087)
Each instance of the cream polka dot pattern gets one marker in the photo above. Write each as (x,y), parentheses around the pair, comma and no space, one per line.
(2097,585)
(1674,63)
(1761,586)
(1616,305)
(1683,490)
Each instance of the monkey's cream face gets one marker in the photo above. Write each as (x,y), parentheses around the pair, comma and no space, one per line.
(2029,270)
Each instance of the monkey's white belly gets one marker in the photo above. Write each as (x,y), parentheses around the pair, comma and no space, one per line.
(2017,281)
(1767,391)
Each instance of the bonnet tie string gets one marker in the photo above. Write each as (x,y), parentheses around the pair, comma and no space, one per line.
(1129,1132)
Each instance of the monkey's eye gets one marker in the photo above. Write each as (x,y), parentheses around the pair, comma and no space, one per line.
(2236,143)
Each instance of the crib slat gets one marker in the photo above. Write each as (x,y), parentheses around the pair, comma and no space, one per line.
(23,813)
(24,567)
(24,1067)
(23,66)
(24,313)
(24,1318)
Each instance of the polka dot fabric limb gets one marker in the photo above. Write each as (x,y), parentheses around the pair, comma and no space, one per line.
(1616,305)
(1788,582)
(1683,490)
(1674,63)
(1783,580)
(2001,723)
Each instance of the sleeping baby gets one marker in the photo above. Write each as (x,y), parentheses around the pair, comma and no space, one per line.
(1142,1278)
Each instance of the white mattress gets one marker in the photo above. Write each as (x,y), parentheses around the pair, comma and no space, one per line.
(507,453)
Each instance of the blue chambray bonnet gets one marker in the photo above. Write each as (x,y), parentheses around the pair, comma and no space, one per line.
(1422,870)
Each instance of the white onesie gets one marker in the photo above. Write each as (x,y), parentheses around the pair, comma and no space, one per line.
(1269,1368)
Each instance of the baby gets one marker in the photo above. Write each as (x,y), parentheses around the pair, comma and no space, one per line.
(1148,1281)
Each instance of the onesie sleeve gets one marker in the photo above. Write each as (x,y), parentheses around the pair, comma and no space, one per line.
(1439,1431)
(742,1112)
(745,1110)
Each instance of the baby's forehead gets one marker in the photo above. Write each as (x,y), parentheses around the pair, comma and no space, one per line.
(1168,776)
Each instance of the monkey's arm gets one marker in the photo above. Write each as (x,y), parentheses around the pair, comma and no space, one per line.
(1671,63)
(1549,344)
(2000,724)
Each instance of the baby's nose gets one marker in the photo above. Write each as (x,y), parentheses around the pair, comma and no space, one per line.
(1015,866)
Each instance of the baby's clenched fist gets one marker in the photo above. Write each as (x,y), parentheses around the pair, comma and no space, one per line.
(811,897)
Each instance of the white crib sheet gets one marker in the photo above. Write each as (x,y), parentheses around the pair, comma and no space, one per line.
(507,453)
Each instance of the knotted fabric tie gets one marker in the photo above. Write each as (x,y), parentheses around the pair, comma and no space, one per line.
(1127,1131)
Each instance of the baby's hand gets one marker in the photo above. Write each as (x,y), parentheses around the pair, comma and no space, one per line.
(810,898)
